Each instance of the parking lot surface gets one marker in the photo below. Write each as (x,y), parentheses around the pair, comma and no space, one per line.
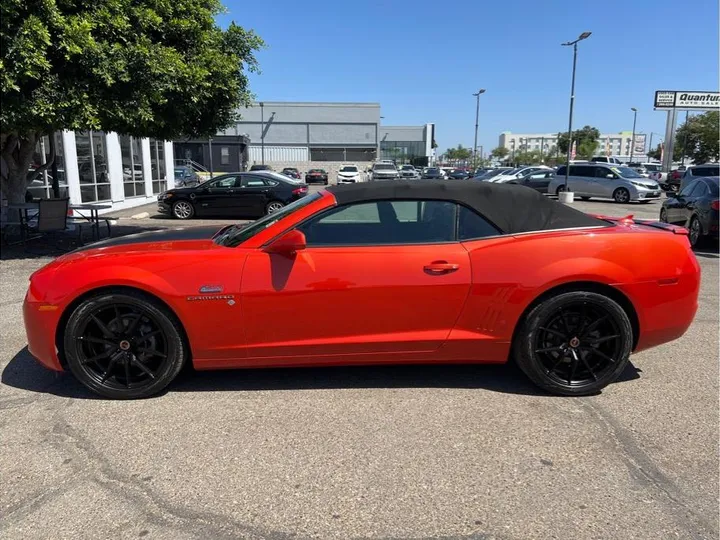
(380,452)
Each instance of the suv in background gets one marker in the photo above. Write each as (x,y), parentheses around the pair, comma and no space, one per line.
(348,174)
(697,171)
(604,159)
(384,171)
(261,168)
(605,181)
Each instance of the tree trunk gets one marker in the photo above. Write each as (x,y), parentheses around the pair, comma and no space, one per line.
(17,153)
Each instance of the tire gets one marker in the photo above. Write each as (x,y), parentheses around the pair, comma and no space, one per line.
(273,206)
(696,232)
(326,182)
(585,198)
(183,209)
(560,189)
(556,338)
(621,195)
(112,357)
(663,215)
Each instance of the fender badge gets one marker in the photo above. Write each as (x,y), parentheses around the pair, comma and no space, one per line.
(207,289)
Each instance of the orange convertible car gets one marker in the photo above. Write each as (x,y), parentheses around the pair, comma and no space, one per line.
(371,273)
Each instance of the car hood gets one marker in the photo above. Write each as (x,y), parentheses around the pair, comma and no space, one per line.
(186,238)
(348,174)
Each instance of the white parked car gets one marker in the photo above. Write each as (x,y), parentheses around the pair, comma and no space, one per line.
(408,171)
(349,174)
(518,173)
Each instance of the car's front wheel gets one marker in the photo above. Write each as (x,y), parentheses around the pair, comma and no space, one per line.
(621,195)
(663,215)
(574,344)
(560,189)
(183,209)
(123,345)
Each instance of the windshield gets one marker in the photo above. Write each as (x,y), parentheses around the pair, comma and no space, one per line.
(652,168)
(384,167)
(625,172)
(349,169)
(280,177)
(408,168)
(432,171)
(237,234)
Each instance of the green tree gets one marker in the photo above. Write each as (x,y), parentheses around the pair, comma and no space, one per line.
(137,67)
(460,153)
(655,154)
(699,138)
(500,152)
(528,158)
(586,149)
(584,136)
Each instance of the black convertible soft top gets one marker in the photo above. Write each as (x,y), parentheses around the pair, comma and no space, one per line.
(511,208)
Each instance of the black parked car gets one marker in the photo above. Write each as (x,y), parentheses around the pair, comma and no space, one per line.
(433,173)
(695,207)
(233,195)
(291,172)
(459,174)
(538,180)
(316,175)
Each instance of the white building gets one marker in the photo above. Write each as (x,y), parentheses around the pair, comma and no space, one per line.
(98,167)
(618,144)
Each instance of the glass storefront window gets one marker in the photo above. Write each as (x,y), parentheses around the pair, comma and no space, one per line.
(402,151)
(92,166)
(157,166)
(133,178)
(41,187)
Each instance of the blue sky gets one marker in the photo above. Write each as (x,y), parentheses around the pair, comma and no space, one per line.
(423,60)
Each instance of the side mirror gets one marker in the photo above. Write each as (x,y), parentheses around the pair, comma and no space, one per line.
(288,244)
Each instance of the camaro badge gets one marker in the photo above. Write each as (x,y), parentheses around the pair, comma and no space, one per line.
(206,289)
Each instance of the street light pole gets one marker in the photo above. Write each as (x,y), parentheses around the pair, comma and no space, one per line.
(477,117)
(262,132)
(632,141)
(582,36)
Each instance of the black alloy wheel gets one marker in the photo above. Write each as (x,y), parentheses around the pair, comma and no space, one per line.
(696,232)
(621,195)
(123,345)
(183,209)
(273,206)
(574,344)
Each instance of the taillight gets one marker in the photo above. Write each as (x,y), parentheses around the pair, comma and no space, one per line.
(299,190)
(715,205)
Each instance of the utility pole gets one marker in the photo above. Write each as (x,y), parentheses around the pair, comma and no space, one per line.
(477,117)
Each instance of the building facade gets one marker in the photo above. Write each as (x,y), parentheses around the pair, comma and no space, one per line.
(408,144)
(614,144)
(105,168)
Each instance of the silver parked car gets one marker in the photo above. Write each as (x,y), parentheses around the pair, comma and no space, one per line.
(606,181)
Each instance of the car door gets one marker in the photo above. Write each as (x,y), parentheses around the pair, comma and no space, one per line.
(539,180)
(581,179)
(699,190)
(253,195)
(676,206)
(215,198)
(599,185)
(379,277)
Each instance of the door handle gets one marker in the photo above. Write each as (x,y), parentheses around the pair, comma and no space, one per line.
(440,267)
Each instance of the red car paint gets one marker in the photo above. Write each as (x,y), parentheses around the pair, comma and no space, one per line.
(366,305)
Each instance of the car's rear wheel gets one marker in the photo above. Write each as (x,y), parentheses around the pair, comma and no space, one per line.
(560,189)
(621,195)
(585,198)
(696,232)
(123,345)
(183,209)
(574,344)
(273,207)
(663,215)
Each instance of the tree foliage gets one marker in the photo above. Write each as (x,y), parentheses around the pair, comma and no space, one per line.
(148,68)
(584,138)
(655,154)
(500,152)
(460,153)
(699,138)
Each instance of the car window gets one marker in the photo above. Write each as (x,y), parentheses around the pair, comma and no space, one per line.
(223,183)
(685,192)
(602,172)
(383,223)
(699,190)
(254,181)
(472,225)
(560,171)
(705,171)
(582,170)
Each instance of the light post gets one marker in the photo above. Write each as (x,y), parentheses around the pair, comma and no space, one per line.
(632,140)
(477,117)
(582,36)
(262,132)
(512,143)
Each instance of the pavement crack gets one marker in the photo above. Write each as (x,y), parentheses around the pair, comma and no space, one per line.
(644,469)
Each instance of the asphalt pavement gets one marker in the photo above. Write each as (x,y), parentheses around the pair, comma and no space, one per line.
(380,452)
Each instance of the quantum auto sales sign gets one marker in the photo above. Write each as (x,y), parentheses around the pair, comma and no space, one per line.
(665,99)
